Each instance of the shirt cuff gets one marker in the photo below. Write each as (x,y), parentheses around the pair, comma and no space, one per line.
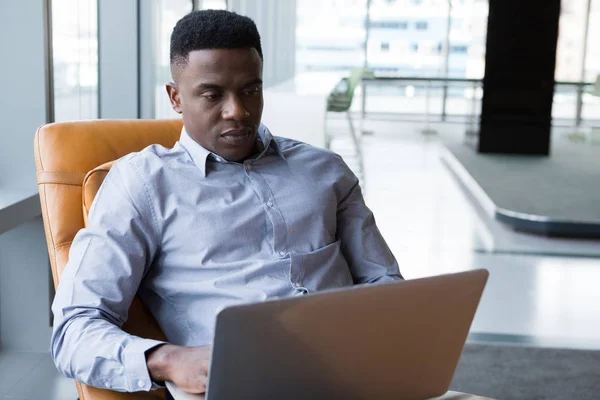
(137,375)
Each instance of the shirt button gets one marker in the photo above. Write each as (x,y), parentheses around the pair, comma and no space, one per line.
(282,254)
(120,370)
(269,203)
(107,384)
(140,383)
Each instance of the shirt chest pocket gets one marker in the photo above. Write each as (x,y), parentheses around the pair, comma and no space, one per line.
(311,218)
(324,268)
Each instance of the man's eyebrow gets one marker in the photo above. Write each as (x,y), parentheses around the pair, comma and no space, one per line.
(254,82)
(202,86)
(214,86)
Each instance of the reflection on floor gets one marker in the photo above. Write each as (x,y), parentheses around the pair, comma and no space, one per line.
(432,227)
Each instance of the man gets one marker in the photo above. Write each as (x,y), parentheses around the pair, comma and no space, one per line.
(230,215)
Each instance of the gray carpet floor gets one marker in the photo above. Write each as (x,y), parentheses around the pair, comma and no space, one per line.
(510,372)
(564,186)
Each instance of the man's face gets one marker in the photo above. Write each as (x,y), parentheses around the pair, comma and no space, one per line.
(219,94)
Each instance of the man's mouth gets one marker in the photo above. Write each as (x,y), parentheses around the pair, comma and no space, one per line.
(236,136)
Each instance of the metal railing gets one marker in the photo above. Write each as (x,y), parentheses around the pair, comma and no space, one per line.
(467,91)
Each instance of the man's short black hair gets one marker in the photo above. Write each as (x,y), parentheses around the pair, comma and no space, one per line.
(212,29)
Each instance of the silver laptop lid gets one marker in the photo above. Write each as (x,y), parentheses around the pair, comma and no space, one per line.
(398,341)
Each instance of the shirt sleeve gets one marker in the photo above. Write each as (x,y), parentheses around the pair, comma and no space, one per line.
(107,262)
(368,255)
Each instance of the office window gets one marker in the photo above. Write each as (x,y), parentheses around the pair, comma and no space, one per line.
(444,39)
(210,4)
(459,49)
(329,48)
(576,62)
(327,25)
(570,46)
(167,12)
(427,36)
(592,60)
(421,25)
(402,25)
(74,27)
(469,23)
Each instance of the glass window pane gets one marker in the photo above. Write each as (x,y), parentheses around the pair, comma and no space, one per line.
(330,35)
(569,49)
(468,35)
(592,61)
(168,12)
(417,33)
(211,4)
(75,59)
(591,101)
(569,58)
(426,39)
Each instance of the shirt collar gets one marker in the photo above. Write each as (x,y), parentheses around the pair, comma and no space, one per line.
(269,142)
(200,155)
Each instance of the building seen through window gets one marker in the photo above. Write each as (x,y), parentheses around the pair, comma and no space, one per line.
(327,24)
(577,59)
(405,37)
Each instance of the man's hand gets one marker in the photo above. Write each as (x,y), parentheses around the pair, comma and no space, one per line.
(186,367)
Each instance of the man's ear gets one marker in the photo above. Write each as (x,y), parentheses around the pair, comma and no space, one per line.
(173,93)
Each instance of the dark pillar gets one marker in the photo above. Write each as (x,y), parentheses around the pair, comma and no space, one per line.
(518,85)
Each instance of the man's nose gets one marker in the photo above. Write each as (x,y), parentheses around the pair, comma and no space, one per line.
(234,109)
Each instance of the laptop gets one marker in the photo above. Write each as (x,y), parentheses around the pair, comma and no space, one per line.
(398,340)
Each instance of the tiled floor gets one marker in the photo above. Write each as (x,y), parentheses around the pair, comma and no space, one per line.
(432,227)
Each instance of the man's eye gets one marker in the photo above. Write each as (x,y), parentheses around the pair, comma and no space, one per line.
(252,92)
(211,96)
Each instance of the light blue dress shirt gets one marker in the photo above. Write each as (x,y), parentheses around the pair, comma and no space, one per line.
(193,233)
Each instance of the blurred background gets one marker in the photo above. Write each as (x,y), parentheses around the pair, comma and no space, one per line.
(473,125)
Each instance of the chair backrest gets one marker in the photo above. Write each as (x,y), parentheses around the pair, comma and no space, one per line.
(596,90)
(340,98)
(72,159)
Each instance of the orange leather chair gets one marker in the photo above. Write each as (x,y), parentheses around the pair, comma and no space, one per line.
(72,159)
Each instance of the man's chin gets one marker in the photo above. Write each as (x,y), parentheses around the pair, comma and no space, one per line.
(237,155)
(238,149)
